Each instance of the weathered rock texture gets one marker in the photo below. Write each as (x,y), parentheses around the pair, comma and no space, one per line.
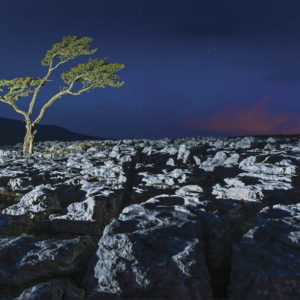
(196,218)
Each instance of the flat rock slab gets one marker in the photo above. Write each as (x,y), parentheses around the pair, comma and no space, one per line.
(213,223)
(88,216)
(43,200)
(155,249)
(24,259)
(53,289)
(266,263)
(66,209)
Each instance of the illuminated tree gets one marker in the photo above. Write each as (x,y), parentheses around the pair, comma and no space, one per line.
(79,79)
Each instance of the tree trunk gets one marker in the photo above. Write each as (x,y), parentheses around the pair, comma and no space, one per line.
(29,139)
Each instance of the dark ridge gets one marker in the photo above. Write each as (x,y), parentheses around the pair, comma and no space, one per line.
(13,131)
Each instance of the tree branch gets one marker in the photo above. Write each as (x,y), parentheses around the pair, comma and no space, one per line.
(38,88)
(44,80)
(80,91)
(52,100)
(16,108)
(44,108)
(60,63)
(59,95)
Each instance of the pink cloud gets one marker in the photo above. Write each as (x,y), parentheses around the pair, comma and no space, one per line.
(293,127)
(254,119)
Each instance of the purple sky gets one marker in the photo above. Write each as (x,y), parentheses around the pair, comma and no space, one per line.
(191,67)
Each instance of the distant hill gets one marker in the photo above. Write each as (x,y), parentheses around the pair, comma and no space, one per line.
(13,131)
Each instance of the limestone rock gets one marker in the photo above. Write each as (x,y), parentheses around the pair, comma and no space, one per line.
(266,263)
(24,259)
(208,212)
(53,289)
(155,249)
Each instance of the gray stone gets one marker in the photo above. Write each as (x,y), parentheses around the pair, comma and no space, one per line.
(217,185)
(53,289)
(42,198)
(266,263)
(24,259)
(155,250)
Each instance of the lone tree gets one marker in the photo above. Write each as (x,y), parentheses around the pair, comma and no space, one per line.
(79,79)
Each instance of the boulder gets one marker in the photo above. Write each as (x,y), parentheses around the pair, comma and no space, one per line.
(24,259)
(266,263)
(154,250)
(53,289)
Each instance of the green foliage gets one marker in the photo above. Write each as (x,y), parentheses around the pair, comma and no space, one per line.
(94,73)
(18,87)
(69,48)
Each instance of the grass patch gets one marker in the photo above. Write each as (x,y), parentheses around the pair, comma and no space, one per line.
(84,146)
(8,198)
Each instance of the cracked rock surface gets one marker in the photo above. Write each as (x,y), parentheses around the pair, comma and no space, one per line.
(195,218)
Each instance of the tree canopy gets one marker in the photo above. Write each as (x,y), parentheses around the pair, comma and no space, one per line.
(79,79)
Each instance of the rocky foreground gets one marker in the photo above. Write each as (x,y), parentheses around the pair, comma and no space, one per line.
(196,218)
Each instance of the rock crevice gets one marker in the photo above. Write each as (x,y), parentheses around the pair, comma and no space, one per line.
(176,219)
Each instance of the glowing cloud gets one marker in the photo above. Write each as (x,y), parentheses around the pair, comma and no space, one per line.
(254,119)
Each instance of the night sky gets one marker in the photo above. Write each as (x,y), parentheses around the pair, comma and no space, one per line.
(191,67)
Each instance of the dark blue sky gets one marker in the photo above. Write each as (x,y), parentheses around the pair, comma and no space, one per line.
(191,67)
